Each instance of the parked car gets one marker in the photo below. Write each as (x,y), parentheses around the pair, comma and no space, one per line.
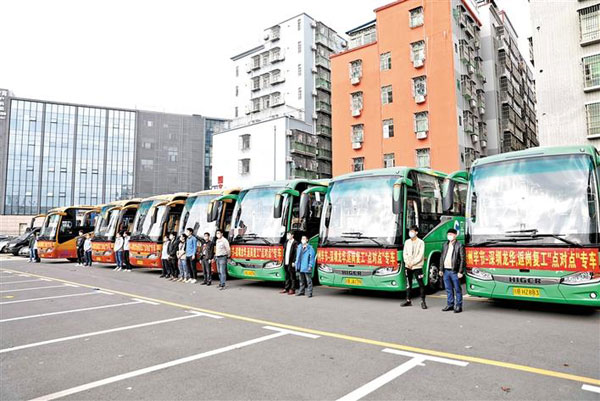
(4,240)
(24,251)
(15,245)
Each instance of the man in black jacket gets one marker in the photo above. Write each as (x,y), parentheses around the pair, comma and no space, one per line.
(289,262)
(206,255)
(80,252)
(172,250)
(453,269)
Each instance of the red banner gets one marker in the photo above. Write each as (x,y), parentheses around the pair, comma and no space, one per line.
(45,244)
(569,259)
(149,247)
(257,252)
(358,256)
(98,246)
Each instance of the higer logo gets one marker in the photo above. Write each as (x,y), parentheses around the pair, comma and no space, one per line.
(525,280)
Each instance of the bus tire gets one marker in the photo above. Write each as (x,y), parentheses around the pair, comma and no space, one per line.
(434,281)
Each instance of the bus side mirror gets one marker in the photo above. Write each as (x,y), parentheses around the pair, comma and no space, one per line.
(278,206)
(213,211)
(328,215)
(153,217)
(396,199)
(304,206)
(473,214)
(448,195)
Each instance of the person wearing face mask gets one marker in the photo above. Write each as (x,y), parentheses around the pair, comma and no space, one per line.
(222,253)
(453,264)
(305,262)
(413,255)
(289,259)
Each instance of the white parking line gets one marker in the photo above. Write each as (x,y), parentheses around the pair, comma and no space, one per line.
(416,360)
(150,369)
(35,288)
(22,281)
(135,302)
(593,389)
(97,333)
(58,296)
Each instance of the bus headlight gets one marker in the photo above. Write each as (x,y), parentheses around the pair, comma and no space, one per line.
(232,263)
(385,271)
(152,256)
(272,265)
(325,268)
(580,278)
(480,274)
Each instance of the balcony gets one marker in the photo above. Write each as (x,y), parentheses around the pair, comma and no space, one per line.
(322,61)
(324,154)
(323,130)
(321,83)
(302,149)
(323,107)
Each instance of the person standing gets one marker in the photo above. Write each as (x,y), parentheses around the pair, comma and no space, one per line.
(32,240)
(191,247)
(289,264)
(222,253)
(36,253)
(126,264)
(181,259)
(173,260)
(118,249)
(206,257)
(164,258)
(87,249)
(80,251)
(305,263)
(453,263)
(413,255)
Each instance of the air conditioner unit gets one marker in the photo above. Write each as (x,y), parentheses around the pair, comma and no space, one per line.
(314,70)
(481,110)
(420,99)
(314,48)
(314,116)
(267,36)
(421,134)
(313,24)
(418,62)
(288,132)
(289,159)
(356,112)
(483,144)
(474,138)
(355,80)
(471,69)
(314,93)
(356,145)
(473,103)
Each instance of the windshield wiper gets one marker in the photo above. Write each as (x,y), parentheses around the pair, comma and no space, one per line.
(500,240)
(359,235)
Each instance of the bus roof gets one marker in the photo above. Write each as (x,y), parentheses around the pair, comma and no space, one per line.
(125,202)
(291,184)
(399,171)
(539,151)
(216,192)
(63,209)
(168,197)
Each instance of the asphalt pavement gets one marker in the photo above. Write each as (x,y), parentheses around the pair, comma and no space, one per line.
(95,334)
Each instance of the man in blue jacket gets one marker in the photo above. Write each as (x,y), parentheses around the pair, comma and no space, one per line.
(191,247)
(305,263)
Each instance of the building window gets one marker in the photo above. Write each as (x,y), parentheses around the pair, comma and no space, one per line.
(147,145)
(266,80)
(172,154)
(299,24)
(385,61)
(417,54)
(244,142)
(592,112)
(422,122)
(591,71)
(244,166)
(299,93)
(147,164)
(265,58)
(356,102)
(589,23)
(358,133)
(358,164)
(416,17)
(386,94)
(237,91)
(237,70)
(299,46)
(419,87)
(256,83)
(389,160)
(388,128)
(423,158)
(355,70)
(299,70)
(149,123)
(236,111)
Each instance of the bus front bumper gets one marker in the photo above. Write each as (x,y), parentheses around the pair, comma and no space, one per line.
(391,282)
(142,260)
(582,294)
(255,270)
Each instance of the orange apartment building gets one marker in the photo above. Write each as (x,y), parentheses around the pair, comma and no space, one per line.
(409,90)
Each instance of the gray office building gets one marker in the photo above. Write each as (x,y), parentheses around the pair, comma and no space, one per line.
(57,154)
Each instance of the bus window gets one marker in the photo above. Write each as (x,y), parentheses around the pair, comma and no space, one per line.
(412,214)
(430,196)
(459,201)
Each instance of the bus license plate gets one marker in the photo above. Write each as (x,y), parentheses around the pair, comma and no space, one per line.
(353,281)
(249,273)
(139,262)
(526,292)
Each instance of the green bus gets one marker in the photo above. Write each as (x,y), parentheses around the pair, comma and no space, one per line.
(262,217)
(533,227)
(365,223)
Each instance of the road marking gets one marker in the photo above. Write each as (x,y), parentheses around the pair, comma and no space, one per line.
(97,333)
(166,365)
(378,343)
(45,298)
(136,302)
(22,281)
(593,389)
(35,288)
(146,302)
(414,361)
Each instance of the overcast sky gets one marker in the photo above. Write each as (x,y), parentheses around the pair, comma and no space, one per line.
(171,56)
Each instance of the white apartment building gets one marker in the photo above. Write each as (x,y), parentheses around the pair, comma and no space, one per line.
(282,101)
(566,46)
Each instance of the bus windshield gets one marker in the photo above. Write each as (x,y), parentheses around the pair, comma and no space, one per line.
(550,200)
(143,220)
(50,227)
(253,217)
(194,216)
(106,226)
(359,213)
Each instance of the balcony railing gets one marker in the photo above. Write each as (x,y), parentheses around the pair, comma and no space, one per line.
(322,61)
(321,83)
(324,107)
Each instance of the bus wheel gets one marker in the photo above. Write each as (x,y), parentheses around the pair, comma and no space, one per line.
(435,282)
